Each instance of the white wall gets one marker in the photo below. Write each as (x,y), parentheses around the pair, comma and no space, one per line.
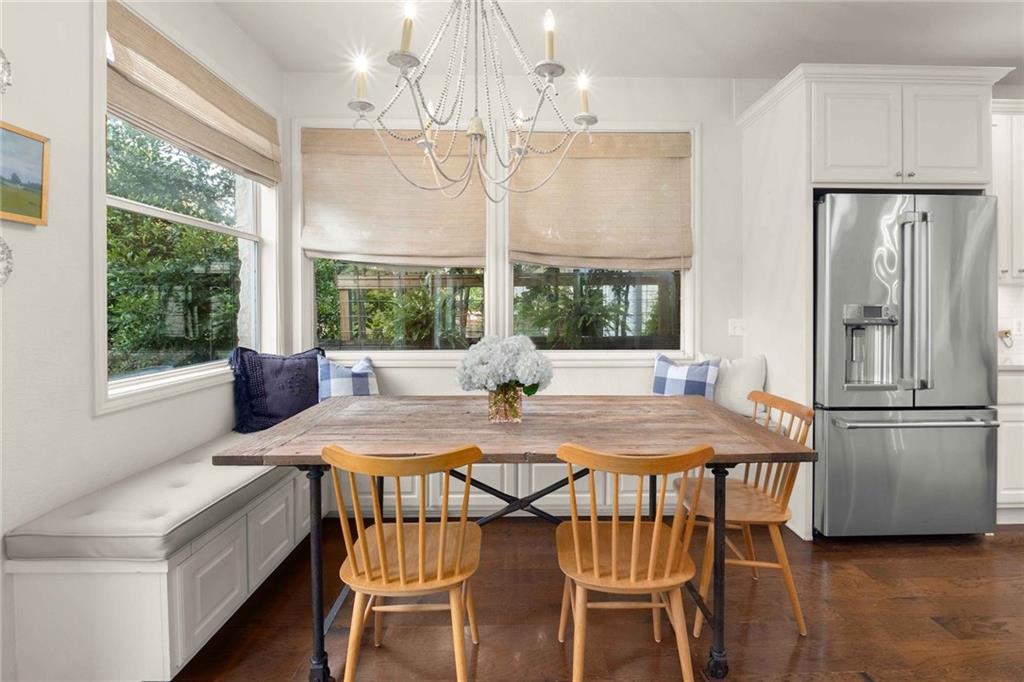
(651,101)
(54,448)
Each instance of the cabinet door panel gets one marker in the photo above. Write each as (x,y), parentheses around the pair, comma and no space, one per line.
(271,533)
(1002,187)
(1010,467)
(212,583)
(856,133)
(947,134)
(1017,226)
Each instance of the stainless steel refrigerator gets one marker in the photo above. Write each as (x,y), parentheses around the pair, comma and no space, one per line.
(905,364)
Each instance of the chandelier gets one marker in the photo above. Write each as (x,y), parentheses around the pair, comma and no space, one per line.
(473,99)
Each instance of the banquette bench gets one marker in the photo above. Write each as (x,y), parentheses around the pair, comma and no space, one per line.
(129,582)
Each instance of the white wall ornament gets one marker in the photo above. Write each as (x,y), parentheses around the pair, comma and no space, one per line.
(6,261)
(5,73)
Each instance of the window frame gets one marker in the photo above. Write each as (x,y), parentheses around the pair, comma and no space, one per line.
(498,289)
(118,394)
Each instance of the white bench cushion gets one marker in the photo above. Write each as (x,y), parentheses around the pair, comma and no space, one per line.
(150,515)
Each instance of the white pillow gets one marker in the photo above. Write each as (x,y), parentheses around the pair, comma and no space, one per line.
(736,379)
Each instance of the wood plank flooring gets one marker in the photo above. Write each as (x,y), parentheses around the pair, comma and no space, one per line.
(877,610)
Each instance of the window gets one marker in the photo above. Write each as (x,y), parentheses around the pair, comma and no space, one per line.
(593,309)
(397,308)
(597,259)
(181,256)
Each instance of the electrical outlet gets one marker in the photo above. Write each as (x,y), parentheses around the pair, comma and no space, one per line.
(735,327)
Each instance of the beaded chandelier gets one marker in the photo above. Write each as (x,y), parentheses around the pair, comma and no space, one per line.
(473,99)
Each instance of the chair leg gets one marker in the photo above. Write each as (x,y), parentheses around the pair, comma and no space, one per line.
(458,632)
(355,634)
(678,615)
(749,539)
(705,579)
(656,619)
(787,576)
(579,634)
(563,621)
(471,612)
(378,617)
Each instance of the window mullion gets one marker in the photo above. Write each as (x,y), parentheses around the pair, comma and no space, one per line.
(497,272)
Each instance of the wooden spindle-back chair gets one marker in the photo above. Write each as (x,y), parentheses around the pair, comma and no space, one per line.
(627,555)
(406,559)
(761,498)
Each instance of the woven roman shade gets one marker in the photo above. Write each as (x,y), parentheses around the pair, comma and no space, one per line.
(158,88)
(619,203)
(356,207)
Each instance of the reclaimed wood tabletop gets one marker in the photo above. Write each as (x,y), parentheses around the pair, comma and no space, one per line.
(413,425)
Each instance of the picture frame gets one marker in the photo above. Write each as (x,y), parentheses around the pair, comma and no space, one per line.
(24,175)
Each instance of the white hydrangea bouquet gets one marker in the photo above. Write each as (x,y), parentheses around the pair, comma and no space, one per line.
(506,368)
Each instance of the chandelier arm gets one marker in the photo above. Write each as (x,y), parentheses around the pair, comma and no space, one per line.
(494,199)
(466,172)
(444,193)
(508,188)
(529,136)
(429,148)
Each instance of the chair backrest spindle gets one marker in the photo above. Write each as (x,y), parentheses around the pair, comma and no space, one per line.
(662,556)
(390,537)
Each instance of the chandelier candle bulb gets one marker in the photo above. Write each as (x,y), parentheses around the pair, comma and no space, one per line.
(583,84)
(549,36)
(362,66)
(410,14)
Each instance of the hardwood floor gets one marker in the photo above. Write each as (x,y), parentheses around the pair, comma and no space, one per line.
(876,610)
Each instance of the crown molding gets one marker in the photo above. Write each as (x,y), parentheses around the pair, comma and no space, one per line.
(870,73)
(1008,106)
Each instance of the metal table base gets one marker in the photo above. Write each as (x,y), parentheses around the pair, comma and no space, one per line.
(319,671)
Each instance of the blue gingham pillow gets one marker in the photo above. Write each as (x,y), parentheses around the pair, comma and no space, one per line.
(695,379)
(337,379)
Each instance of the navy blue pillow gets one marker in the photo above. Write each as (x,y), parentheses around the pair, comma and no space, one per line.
(271,388)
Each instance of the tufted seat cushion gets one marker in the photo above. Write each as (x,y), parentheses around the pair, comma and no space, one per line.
(149,515)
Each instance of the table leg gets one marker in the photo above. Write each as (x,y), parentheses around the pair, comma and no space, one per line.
(718,663)
(319,671)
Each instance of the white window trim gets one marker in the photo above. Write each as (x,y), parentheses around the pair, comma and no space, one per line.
(118,394)
(497,271)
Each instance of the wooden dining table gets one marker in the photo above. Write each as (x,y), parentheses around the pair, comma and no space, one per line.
(413,425)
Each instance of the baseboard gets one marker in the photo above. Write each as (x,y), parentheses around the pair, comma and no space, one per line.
(1009,516)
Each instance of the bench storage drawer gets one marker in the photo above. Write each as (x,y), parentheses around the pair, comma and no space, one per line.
(271,533)
(212,584)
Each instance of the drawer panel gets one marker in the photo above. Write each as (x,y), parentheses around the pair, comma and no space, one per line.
(271,533)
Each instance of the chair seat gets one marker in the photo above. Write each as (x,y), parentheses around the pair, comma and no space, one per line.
(683,570)
(743,503)
(456,569)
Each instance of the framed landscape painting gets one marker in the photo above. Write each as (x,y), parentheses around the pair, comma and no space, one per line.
(24,175)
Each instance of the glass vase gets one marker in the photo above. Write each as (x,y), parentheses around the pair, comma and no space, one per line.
(505,404)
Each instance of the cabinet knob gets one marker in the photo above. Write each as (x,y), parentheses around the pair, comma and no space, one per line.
(1004,271)
(899,174)
(911,174)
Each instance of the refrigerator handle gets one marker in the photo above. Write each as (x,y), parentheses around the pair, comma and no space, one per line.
(923,304)
(915,284)
(924,424)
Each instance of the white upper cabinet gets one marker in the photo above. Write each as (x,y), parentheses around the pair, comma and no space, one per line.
(1008,186)
(879,126)
(856,129)
(1002,187)
(946,134)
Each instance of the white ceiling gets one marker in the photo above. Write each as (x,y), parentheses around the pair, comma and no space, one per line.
(677,39)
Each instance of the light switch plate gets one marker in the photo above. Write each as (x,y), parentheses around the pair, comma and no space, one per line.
(1017,327)
(735,326)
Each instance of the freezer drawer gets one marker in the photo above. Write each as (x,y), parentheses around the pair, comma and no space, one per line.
(905,472)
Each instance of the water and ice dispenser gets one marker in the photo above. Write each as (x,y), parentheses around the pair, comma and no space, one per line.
(871,360)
